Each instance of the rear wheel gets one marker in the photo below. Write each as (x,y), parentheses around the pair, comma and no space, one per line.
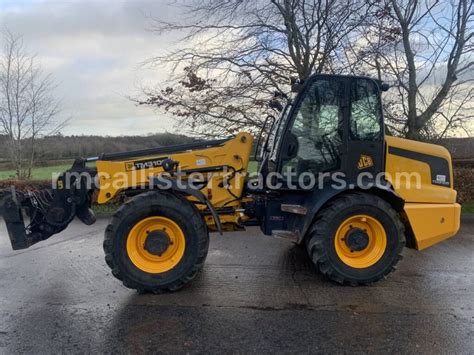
(156,242)
(357,239)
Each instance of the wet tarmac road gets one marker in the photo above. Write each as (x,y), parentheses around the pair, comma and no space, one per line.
(255,294)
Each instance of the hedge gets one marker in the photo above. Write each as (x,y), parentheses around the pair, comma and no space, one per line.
(25,185)
(464,183)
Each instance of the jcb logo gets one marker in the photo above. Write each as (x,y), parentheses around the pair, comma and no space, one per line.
(365,161)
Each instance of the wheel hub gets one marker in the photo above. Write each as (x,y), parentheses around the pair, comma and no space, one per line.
(357,239)
(157,242)
(360,241)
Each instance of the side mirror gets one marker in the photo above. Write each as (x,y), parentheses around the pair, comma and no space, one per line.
(384,87)
(257,146)
(275,104)
(296,84)
(296,88)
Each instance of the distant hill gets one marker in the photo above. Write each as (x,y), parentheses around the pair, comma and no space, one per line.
(59,147)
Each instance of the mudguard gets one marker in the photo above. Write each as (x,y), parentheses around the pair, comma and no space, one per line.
(165,183)
(319,198)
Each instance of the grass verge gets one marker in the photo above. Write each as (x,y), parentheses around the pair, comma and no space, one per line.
(41,173)
(468,207)
(106,210)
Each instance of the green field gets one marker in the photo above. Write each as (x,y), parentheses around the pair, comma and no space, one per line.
(468,207)
(42,173)
(253,166)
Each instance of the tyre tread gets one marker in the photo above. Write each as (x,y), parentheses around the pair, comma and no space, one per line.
(165,200)
(316,236)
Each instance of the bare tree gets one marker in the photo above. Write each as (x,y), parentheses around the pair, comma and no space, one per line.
(238,53)
(426,49)
(27,104)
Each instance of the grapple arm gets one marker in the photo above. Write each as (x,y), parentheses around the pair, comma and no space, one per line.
(31,217)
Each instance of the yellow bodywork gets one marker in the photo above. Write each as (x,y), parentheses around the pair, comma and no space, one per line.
(430,209)
(433,222)
(234,154)
(407,169)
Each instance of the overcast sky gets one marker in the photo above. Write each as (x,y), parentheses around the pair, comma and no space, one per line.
(94,50)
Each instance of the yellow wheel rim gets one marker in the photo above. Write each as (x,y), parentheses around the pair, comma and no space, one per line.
(148,262)
(376,241)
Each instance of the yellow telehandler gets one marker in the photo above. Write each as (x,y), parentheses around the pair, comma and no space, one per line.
(329,178)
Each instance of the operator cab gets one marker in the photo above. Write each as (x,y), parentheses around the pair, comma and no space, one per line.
(333,125)
(329,124)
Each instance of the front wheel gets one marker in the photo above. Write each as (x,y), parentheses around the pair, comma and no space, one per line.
(357,239)
(156,242)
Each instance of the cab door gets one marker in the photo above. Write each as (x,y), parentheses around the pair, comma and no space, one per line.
(365,139)
(314,139)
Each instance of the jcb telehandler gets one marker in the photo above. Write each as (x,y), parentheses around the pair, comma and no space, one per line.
(329,178)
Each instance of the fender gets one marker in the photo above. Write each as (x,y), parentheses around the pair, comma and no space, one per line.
(164,183)
(322,197)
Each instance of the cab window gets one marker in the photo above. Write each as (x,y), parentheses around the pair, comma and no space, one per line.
(316,131)
(366,113)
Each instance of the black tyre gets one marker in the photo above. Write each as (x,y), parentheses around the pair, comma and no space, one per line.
(156,242)
(356,239)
